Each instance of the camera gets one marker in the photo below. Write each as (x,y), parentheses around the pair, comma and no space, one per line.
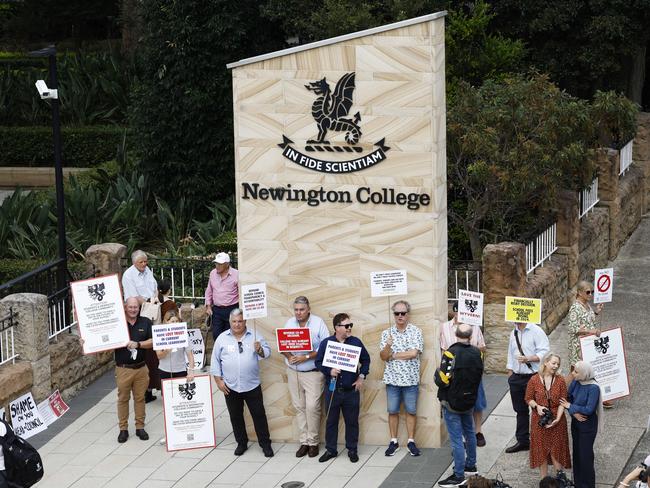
(545,419)
(46,92)
(643,476)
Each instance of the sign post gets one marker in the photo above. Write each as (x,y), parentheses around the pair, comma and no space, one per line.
(470,307)
(26,420)
(603,285)
(606,354)
(296,339)
(524,310)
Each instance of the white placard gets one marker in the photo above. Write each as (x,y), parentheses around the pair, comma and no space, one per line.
(52,408)
(606,355)
(253,300)
(603,285)
(188,412)
(26,420)
(388,283)
(196,343)
(341,356)
(470,307)
(100,313)
(169,336)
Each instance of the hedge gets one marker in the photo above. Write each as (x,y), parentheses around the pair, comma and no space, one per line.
(13,268)
(82,146)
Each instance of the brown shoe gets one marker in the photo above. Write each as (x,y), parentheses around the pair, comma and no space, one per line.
(313,451)
(302,452)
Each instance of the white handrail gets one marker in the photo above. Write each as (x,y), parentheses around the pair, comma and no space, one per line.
(589,198)
(541,248)
(625,157)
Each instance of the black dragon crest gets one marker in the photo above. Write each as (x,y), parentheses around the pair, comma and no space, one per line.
(601,344)
(330,109)
(471,305)
(97,292)
(187,390)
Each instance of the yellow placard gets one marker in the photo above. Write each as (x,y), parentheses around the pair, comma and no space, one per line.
(527,310)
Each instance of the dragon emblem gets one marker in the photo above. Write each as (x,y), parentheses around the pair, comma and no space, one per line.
(187,390)
(330,109)
(97,292)
(601,344)
(471,305)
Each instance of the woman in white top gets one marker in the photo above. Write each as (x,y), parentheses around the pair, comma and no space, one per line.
(3,474)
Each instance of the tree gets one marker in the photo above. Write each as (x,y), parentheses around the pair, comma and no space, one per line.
(511,146)
(182,102)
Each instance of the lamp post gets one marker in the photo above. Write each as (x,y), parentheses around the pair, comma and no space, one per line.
(50,92)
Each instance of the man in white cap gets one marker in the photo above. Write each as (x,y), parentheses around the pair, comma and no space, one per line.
(222,293)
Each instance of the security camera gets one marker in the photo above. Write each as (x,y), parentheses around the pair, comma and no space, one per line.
(46,92)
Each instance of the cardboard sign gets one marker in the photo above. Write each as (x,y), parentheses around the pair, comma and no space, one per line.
(52,408)
(188,413)
(294,339)
(470,307)
(603,285)
(341,356)
(253,300)
(525,310)
(100,313)
(26,420)
(196,343)
(388,283)
(169,336)
(606,354)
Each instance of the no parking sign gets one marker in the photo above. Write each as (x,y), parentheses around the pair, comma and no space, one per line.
(603,285)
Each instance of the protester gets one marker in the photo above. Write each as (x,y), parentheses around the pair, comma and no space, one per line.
(527,346)
(138,280)
(173,362)
(549,438)
(479,482)
(549,482)
(305,381)
(131,373)
(3,472)
(222,293)
(400,347)
(585,407)
(236,370)
(343,393)
(639,474)
(164,290)
(458,378)
(447,337)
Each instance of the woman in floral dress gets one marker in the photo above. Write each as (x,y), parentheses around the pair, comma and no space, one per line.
(582,320)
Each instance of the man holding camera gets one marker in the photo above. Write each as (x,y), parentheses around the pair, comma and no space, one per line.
(638,474)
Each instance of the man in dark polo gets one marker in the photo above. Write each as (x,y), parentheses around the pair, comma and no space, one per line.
(131,373)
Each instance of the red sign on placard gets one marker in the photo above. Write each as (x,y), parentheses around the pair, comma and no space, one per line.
(294,340)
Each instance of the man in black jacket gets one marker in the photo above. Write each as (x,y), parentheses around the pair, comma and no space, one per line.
(458,380)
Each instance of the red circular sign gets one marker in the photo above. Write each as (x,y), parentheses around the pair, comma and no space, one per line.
(603,284)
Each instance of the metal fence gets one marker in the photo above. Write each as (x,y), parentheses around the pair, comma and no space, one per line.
(589,198)
(463,275)
(7,351)
(541,248)
(626,157)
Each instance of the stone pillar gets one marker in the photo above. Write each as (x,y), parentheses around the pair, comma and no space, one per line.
(504,274)
(31,337)
(608,161)
(106,258)
(641,154)
(568,233)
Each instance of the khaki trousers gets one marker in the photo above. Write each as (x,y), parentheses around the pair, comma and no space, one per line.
(306,394)
(136,381)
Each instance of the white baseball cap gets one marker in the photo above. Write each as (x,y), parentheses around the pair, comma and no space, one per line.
(221,258)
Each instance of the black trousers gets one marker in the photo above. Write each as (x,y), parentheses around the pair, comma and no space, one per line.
(221,319)
(165,375)
(3,479)
(255,403)
(518,384)
(584,436)
(348,403)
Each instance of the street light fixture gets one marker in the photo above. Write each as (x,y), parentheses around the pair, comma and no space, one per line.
(51,93)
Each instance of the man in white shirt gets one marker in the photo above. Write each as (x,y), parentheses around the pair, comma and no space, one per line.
(528,345)
(138,280)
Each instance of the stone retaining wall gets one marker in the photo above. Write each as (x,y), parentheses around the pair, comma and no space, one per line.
(593,242)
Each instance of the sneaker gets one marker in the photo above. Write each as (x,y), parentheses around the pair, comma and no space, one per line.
(471,470)
(393,447)
(452,481)
(162,441)
(413,449)
(480,439)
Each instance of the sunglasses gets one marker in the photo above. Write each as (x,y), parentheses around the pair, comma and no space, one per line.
(589,292)
(347,326)
(399,314)
(241,347)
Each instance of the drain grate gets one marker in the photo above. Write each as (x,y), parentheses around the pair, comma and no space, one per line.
(293,484)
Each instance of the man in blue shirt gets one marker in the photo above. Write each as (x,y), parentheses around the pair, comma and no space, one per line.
(343,392)
(236,370)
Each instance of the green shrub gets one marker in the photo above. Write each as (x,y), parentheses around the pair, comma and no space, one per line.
(82,146)
(13,268)
(226,242)
(615,118)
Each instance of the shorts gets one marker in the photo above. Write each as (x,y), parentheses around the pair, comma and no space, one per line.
(481,400)
(395,395)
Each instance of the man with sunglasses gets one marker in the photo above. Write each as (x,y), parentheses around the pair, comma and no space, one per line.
(400,348)
(343,393)
(305,381)
(235,367)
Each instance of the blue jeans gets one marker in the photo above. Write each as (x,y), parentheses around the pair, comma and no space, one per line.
(396,394)
(461,425)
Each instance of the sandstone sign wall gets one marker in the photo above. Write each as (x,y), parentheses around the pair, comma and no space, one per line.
(321,205)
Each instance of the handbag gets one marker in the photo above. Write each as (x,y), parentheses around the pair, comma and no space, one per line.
(151,311)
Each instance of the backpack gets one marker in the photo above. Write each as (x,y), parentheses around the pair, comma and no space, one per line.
(460,372)
(23,464)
